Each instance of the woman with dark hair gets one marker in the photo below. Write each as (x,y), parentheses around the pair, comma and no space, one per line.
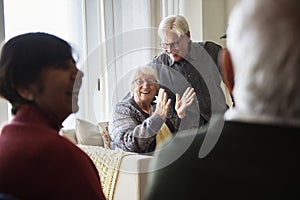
(38,76)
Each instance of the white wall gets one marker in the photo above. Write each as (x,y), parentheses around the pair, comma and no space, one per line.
(215,18)
(229,5)
(207,18)
(191,10)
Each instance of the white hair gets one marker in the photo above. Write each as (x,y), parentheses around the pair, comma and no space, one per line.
(263,39)
(147,70)
(174,23)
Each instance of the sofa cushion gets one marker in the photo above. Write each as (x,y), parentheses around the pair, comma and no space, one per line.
(87,133)
(69,134)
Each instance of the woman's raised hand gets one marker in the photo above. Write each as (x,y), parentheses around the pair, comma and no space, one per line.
(184,102)
(162,104)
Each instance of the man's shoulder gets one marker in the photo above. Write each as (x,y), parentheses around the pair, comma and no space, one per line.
(162,58)
(210,45)
(255,128)
(212,48)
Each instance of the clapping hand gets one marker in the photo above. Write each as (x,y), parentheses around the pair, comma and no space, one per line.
(184,102)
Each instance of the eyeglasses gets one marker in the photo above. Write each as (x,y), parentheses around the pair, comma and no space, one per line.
(171,45)
(140,81)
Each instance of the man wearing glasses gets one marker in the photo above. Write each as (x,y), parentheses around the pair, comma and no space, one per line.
(185,63)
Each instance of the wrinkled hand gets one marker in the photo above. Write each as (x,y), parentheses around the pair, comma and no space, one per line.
(162,104)
(183,103)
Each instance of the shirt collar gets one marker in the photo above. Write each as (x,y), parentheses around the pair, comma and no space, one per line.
(193,52)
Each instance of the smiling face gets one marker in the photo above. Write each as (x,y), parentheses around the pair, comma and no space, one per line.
(177,47)
(56,92)
(144,91)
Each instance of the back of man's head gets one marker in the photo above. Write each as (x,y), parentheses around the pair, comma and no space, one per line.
(263,39)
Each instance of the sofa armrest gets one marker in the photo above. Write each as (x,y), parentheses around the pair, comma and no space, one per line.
(132,177)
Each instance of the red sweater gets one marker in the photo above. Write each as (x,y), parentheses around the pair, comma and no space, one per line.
(37,163)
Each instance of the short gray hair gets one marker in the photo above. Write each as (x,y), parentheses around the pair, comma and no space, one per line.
(263,39)
(147,70)
(175,23)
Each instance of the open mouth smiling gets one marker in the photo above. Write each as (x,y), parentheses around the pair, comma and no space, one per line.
(146,92)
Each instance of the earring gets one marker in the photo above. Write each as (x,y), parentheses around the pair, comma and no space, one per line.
(30,97)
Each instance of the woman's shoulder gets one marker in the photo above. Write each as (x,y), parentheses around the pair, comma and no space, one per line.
(125,106)
(124,103)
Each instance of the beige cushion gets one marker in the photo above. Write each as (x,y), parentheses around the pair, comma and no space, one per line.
(164,134)
(69,134)
(87,133)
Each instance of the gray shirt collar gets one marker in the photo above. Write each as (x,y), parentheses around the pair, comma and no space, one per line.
(192,55)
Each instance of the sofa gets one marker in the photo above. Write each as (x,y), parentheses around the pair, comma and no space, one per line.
(123,174)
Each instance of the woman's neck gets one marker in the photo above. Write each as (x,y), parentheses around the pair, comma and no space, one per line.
(145,106)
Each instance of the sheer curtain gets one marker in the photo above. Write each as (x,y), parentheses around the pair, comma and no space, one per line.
(121,35)
(170,7)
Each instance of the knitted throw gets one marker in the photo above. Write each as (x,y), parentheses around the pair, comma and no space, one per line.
(108,163)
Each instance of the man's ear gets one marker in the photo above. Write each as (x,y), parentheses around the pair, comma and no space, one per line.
(227,69)
(188,34)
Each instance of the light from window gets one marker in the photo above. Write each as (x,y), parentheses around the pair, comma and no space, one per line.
(61,18)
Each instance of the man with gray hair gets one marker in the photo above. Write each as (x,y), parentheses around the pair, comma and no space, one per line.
(184,63)
(256,155)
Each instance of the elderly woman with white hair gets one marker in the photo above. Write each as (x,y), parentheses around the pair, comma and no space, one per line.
(138,124)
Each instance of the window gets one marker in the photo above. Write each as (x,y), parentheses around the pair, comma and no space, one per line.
(61,18)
